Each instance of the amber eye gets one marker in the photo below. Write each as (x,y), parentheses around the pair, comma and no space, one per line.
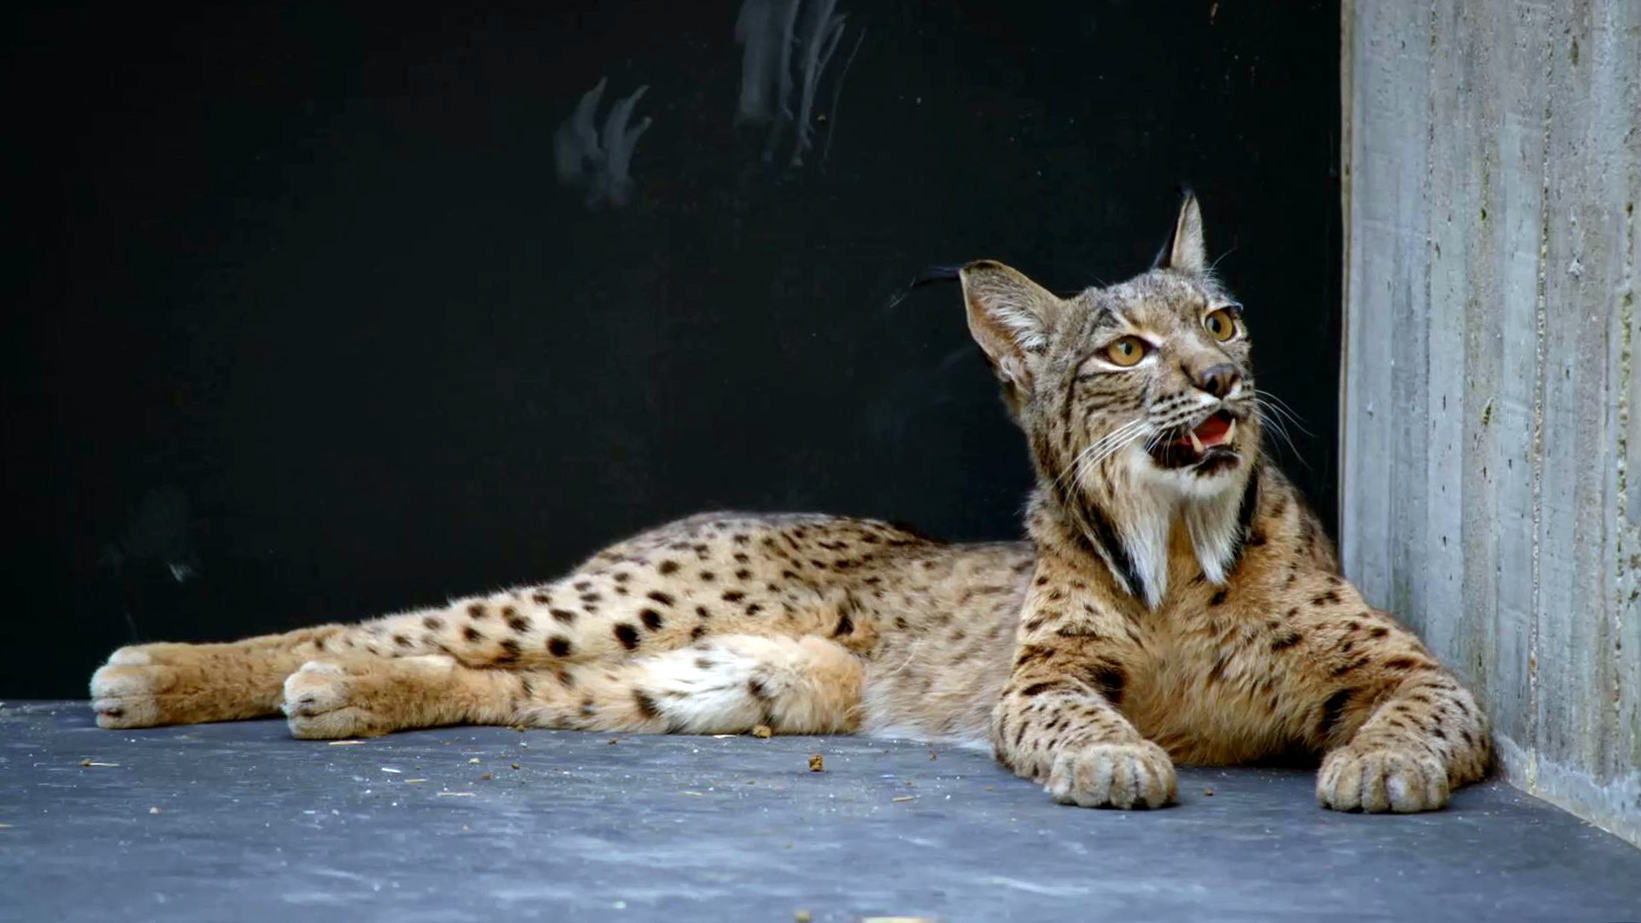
(1221,325)
(1126,351)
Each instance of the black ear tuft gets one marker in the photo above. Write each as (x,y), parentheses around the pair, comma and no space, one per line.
(931,274)
(937,274)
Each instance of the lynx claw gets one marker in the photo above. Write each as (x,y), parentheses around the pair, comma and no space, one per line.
(1381,779)
(1113,775)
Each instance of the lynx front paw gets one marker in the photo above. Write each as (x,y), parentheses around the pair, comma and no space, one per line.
(130,691)
(1136,775)
(321,703)
(1378,779)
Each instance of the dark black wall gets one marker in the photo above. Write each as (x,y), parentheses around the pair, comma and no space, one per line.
(305,326)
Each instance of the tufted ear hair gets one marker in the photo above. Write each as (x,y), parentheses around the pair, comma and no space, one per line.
(1185,251)
(1010,316)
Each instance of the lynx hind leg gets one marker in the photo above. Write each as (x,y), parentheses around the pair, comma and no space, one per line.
(657,592)
(147,685)
(727,684)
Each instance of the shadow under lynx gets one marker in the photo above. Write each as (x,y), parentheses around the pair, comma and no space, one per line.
(1175,601)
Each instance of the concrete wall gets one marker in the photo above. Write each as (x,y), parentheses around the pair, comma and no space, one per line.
(1491,438)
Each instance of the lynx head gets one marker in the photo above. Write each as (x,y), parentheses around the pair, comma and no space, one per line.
(1138,401)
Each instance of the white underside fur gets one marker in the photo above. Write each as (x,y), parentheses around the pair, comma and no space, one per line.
(1206,505)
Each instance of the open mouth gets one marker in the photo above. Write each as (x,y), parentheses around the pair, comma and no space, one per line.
(1209,440)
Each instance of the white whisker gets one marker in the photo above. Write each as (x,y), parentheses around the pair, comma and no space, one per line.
(1101,448)
(1281,406)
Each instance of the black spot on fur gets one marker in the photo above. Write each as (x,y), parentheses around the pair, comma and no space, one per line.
(1325,599)
(559,646)
(733,596)
(1379,632)
(472,634)
(708,576)
(652,619)
(646,705)
(319,644)
(1109,679)
(754,609)
(1286,641)
(667,567)
(1245,513)
(476,611)
(627,635)
(540,598)
(1036,689)
(664,599)
(845,626)
(562,615)
(1332,709)
(697,633)
(703,612)
(509,651)
(1105,533)
(401,640)
(755,688)
(433,622)
(519,623)
(1347,667)
(1032,652)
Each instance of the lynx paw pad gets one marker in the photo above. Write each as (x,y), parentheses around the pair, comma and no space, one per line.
(1381,779)
(1112,775)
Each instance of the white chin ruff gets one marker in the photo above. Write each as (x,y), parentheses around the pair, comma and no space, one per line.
(1186,483)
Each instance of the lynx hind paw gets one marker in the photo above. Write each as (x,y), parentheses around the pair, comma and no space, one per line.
(320,704)
(1381,779)
(131,693)
(1102,775)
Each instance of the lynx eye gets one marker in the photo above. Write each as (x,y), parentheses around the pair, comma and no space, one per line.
(1220,324)
(1127,351)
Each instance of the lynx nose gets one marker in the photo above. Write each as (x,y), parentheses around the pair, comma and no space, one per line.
(1217,380)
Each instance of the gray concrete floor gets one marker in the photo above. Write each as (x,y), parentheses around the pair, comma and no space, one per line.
(239,822)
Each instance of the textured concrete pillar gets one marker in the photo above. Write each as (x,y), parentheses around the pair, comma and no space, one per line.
(1491,446)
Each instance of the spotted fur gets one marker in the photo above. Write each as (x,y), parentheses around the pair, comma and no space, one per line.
(1176,601)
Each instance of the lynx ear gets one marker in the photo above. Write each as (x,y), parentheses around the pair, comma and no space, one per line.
(1185,251)
(1009,315)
